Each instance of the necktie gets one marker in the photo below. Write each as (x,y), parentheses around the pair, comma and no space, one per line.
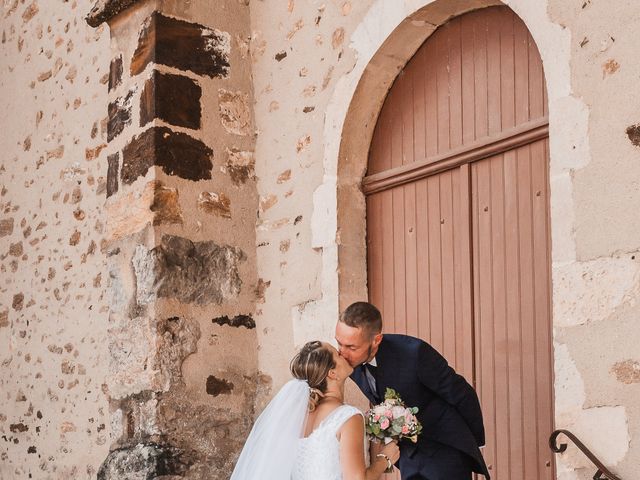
(370,374)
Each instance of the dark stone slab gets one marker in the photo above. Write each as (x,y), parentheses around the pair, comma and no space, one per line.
(112,173)
(191,272)
(177,153)
(633,132)
(115,72)
(119,116)
(172,98)
(144,461)
(237,321)
(105,10)
(218,386)
(183,45)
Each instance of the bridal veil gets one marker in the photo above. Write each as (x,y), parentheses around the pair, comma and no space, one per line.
(270,450)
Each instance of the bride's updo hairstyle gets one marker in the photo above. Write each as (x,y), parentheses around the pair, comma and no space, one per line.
(312,363)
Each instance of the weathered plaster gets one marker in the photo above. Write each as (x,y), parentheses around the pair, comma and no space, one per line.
(53,343)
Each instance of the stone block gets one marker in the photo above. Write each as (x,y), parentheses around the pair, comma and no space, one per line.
(172,98)
(105,10)
(112,173)
(176,153)
(626,372)
(6,227)
(633,132)
(215,204)
(115,72)
(131,213)
(592,291)
(240,166)
(178,338)
(143,461)
(119,116)
(133,352)
(182,45)
(235,114)
(191,272)
(218,386)
(237,321)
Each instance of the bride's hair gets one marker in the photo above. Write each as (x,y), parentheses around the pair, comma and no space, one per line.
(312,363)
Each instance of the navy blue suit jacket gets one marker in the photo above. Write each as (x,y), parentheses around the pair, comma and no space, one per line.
(449,410)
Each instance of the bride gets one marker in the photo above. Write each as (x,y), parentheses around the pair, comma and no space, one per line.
(307,432)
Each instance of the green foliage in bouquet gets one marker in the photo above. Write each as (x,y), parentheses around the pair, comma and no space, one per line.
(392,419)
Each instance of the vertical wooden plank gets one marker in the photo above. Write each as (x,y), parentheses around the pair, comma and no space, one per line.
(423,262)
(447,273)
(467,74)
(431,97)
(542,286)
(463,272)
(494,90)
(411,255)
(521,72)
(388,304)
(442,86)
(483,305)
(399,261)
(481,106)
(513,313)
(435,263)
(536,82)
(455,83)
(458,271)
(419,111)
(498,280)
(406,114)
(507,72)
(396,123)
(527,318)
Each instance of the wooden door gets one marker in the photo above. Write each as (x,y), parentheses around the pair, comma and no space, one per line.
(458,224)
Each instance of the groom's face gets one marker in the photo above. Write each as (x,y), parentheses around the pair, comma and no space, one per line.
(356,345)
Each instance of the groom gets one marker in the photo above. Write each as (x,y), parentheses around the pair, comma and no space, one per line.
(449,411)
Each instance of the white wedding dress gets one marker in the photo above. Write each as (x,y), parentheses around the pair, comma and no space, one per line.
(318,455)
(275,450)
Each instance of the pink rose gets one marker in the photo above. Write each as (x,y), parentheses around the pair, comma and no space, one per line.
(384,424)
(388,414)
(376,417)
(405,429)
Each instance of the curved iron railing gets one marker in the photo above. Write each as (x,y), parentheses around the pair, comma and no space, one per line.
(603,472)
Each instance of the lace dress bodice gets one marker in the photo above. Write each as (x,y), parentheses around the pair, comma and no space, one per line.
(318,455)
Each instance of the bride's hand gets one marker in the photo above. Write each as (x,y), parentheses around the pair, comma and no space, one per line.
(392,451)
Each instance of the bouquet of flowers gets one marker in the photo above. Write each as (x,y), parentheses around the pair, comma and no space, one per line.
(392,420)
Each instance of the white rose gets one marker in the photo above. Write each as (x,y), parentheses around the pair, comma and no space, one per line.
(397,412)
(379,409)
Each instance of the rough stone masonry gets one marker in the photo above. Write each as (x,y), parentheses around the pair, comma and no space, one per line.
(178,121)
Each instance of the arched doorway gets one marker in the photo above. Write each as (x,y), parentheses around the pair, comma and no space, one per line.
(458,236)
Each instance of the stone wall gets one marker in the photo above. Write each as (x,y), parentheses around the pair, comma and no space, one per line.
(54,301)
(180,208)
(597,252)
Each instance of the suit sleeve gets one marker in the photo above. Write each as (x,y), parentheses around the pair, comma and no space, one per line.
(435,374)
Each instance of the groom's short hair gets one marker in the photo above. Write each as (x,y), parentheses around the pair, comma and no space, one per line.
(363,315)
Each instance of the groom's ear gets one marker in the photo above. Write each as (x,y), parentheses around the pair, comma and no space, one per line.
(377,339)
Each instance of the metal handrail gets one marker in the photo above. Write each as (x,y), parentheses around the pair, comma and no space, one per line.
(602,470)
